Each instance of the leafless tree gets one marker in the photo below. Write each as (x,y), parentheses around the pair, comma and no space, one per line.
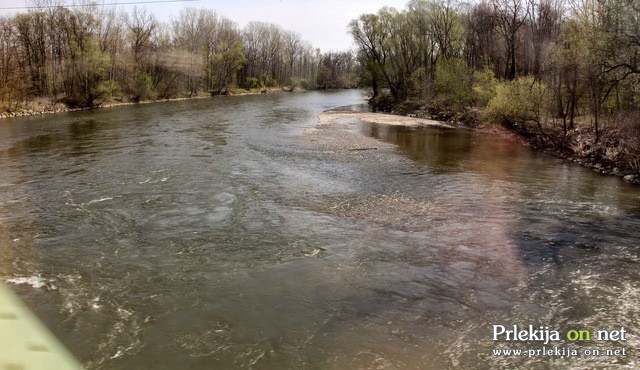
(511,16)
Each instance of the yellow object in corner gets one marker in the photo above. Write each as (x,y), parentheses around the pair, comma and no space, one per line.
(25,343)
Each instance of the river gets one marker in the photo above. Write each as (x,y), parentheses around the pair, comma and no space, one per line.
(216,234)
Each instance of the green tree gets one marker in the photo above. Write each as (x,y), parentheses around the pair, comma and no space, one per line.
(90,68)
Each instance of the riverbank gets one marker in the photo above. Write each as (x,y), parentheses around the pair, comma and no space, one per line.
(615,151)
(44,106)
(607,156)
(578,146)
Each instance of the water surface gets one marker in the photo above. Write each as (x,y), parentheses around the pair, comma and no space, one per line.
(209,234)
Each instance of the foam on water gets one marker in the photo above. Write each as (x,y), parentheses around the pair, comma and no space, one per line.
(35,281)
(99,200)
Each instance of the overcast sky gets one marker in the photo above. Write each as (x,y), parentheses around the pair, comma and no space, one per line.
(323,23)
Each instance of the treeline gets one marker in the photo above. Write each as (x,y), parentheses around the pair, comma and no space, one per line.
(549,68)
(87,56)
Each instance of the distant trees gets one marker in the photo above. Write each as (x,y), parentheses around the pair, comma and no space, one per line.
(89,55)
(12,85)
(58,51)
(30,29)
(223,56)
(277,57)
(214,49)
(336,70)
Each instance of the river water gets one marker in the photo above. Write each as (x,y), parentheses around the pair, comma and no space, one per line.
(211,234)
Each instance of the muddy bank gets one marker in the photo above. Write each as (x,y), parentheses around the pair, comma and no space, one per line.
(40,109)
(607,156)
(614,152)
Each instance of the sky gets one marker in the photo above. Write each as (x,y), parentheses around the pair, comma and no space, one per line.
(322,23)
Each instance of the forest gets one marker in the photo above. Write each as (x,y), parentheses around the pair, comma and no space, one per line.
(90,55)
(565,73)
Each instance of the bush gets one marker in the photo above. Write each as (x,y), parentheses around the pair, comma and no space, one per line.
(144,88)
(518,103)
(627,133)
(300,82)
(271,82)
(251,83)
(452,85)
(484,87)
(105,91)
(167,89)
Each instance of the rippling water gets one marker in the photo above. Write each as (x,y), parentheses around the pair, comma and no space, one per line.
(209,234)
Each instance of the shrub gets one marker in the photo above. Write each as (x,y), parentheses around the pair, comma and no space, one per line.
(452,85)
(144,88)
(105,91)
(301,83)
(627,131)
(251,83)
(518,103)
(484,87)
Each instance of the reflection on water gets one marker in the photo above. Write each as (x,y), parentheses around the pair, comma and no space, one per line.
(205,234)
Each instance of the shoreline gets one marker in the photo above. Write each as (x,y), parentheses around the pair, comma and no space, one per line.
(329,118)
(52,108)
(588,163)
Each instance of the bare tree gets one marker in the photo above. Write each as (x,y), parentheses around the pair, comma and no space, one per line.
(481,34)
(189,35)
(141,26)
(546,19)
(294,46)
(11,85)
(511,15)
(264,47)
(31,28)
